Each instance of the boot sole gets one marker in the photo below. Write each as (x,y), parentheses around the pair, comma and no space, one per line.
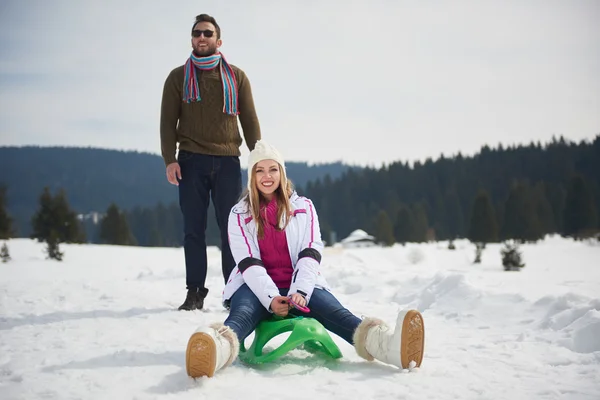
(413,339)
(201,355)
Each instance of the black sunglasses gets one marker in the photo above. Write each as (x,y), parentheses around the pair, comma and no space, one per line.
(207,33)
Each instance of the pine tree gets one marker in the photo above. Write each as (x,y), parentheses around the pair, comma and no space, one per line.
(482,227)
(68,227)
(6,222)
(55,223)
(580,216)
(440,227)
(155,239)
(455,216)
(43,220)
(53,249)
(114,228)
(384,230)
(166,224)
(4,253)
(55,217)
(420,223)
(478,252)
(545,213)
(521,220)
(404,225)
(511,256)
(139,224)
(556,195)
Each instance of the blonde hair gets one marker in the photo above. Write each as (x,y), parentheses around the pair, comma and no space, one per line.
(252,196)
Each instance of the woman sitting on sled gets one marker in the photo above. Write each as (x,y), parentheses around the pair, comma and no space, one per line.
(276,242)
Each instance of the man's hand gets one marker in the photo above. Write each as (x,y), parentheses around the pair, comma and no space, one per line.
(280,306)
(173,173)
(298,299)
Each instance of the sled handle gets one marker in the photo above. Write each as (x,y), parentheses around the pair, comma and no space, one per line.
(298,306)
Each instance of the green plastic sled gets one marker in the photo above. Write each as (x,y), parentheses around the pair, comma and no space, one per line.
(307,331)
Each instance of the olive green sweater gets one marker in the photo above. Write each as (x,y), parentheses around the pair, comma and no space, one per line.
(202,127)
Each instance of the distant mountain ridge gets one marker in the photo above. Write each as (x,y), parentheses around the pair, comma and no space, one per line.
(93,178)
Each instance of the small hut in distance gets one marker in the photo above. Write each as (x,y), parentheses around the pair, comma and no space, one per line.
(358,238)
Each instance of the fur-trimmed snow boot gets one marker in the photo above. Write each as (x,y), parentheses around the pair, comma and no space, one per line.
(373,339)
(210,349)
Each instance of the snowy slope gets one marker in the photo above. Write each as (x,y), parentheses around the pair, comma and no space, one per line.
(103,324)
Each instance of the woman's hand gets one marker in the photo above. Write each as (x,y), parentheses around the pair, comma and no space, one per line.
(280,306)
(298,299)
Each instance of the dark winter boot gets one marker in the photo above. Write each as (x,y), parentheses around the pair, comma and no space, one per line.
(193,300)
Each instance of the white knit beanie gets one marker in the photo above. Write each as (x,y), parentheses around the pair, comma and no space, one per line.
(263,151)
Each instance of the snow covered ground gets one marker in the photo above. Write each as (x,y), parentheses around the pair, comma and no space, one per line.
(103,324)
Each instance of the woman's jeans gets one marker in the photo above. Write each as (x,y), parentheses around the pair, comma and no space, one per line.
(247,311)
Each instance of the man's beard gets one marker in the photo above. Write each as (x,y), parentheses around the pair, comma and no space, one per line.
(208,51)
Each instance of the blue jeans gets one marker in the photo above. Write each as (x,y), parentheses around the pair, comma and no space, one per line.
(205,177)
(247,311)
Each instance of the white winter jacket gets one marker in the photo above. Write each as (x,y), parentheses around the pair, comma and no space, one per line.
(304,244)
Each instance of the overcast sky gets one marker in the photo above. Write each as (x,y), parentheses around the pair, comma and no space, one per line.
(364,82)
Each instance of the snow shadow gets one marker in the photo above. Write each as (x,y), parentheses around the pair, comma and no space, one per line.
(287,366)
(125,359)
(61,316)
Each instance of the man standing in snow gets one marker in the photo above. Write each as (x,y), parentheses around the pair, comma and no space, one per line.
(201,103)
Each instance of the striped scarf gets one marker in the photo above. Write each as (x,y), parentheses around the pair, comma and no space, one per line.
(191,92)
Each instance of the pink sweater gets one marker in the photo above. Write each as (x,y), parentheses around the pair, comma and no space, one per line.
(274,251)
